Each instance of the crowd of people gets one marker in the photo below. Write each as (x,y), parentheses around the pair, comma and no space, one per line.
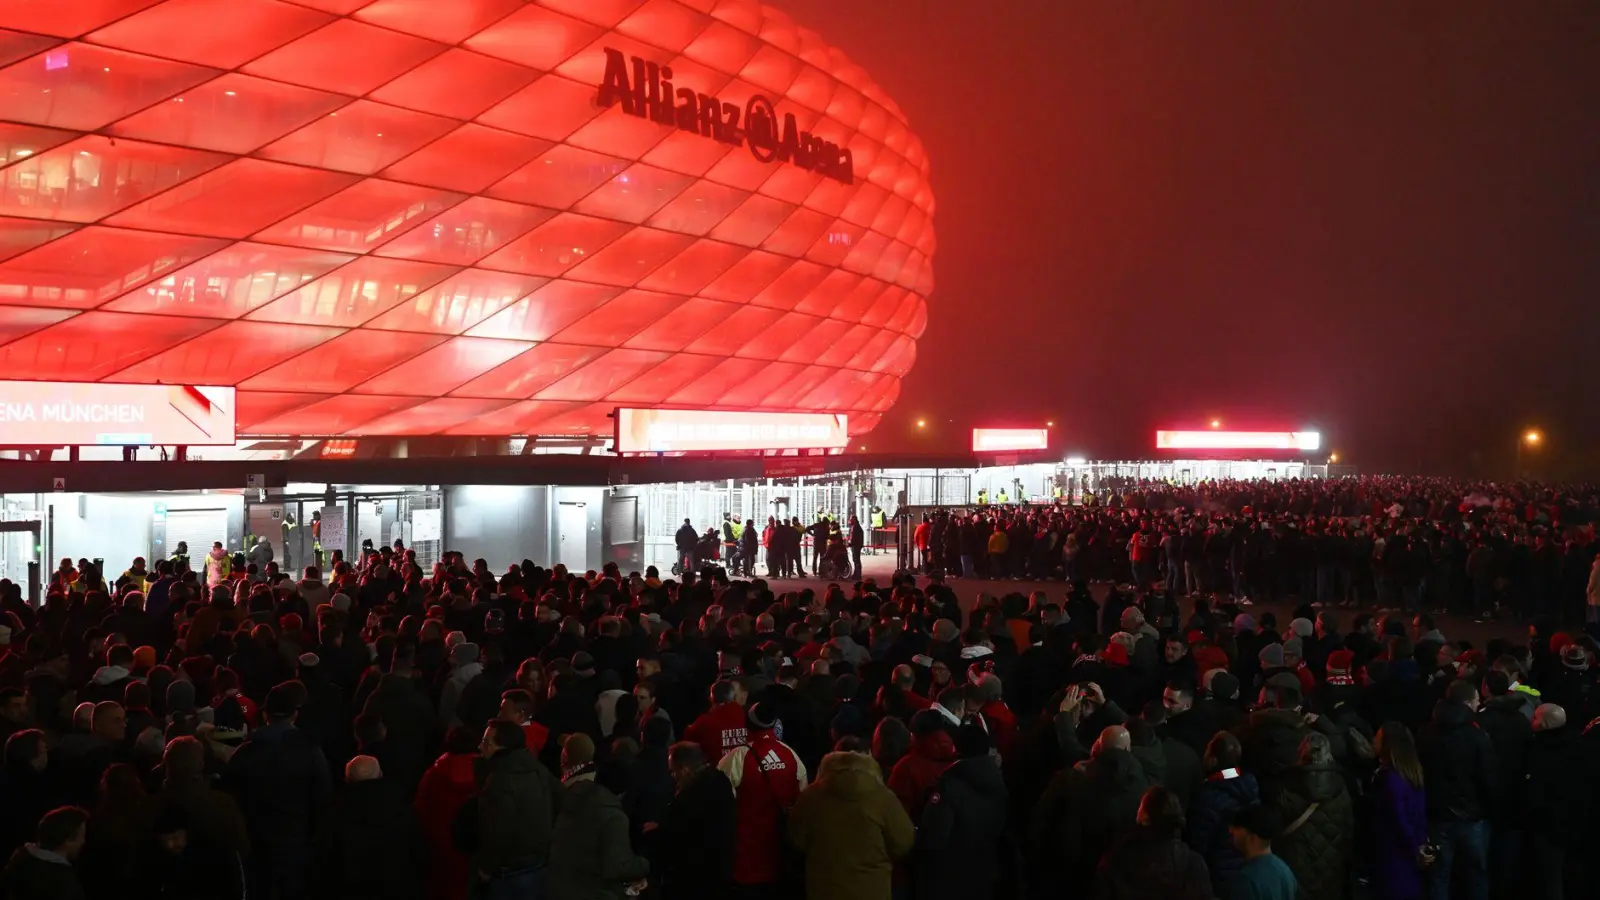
(463,733)
(1418,543)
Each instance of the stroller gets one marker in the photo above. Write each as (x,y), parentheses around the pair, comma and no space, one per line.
(835,559)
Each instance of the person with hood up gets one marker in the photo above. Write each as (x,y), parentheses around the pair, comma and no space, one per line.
(515,815)
(1554,818)
(698,834)
(370,844)
(1318,838)
(1152,862)
(447,785)
(958,842)
(219,566)
(590,857)
(1228,790)
(851,830)
(411,722)
(1085,811)
(932,751)
(1458,758)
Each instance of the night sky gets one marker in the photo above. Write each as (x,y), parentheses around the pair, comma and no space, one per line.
(1382,220)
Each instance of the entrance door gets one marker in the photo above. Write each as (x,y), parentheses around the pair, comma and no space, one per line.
(19,556)
(572,528)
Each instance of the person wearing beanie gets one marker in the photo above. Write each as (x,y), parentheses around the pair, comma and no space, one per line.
(933,749)
(1302,628)
(1294,659)
(767,778)
(956,856)
(590,856)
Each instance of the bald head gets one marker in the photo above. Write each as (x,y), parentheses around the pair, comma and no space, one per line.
(1112,737)
(363,768)
(1549,717)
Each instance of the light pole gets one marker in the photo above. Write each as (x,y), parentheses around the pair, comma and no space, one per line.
(1530,439)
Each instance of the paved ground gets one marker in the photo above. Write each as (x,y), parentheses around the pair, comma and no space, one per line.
(967,590)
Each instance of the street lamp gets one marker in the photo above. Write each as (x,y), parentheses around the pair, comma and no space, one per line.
(1530,439)
(1050,424)
(922,423)
(1216,423)
(1333,459)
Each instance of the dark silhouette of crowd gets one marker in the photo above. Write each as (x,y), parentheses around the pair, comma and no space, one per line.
(462,732)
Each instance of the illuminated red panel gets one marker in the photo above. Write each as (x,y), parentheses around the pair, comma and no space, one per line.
(787,290)
(690,154)
(363,216)
(89,267)
(430,417)
(771,342)
(754,389)
(633,195)
(664,23)
(16,321)
(854,305)
(752,222)
(66,19)
(660,382)
(342,363)
(556,246)
(92,345)
(232,282)
(535,36)
(494,154)
(711,387)
(546,311)
(1238,440)
(884,308)
(230,354)
(871,354)
(236,200)
(905,314)
(632,257)
(772,70)
(622,318)
(363,137)
(788,394)
(791,184)
(694,318)
(699,208)
(812,88)
(255,407)
(736,330)
(335,415)
(447,23)
(236,31)
(533,371)
(444,367)
(559,178)
(723,47)
(512,419)
(22,141)
(581,419)
(743,16)
(836,243)
(888,266)
(604,13)
(827,296)
(847,346)
(899,358)
(552,108)
(84,87)
(603,376)
(231,114)
(810,346)
(748,276)
(694,268)
(614,131)
(457,83)
(22,235)
(327,59)
(95,176)
(458,303)
(337,7)
(353,294)
(467,233)
(870,248)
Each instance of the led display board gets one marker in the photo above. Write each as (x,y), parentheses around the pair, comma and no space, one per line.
(1009,440)
(1238,440)
(71,413)
(708,431)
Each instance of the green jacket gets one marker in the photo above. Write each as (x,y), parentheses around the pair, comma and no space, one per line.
(851,828)
(591,857)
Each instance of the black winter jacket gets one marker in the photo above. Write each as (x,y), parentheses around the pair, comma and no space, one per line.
(370,845)
(1215,805)
(694,845)
(1147,866)
(1318,849)
(958,840)
(1458,758)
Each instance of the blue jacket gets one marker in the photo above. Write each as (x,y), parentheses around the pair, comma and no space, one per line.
(1399,829)
(1210,814)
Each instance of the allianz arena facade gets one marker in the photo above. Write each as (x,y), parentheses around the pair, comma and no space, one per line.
(472,218)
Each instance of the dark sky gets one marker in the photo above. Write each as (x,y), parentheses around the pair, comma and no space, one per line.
(1379,219)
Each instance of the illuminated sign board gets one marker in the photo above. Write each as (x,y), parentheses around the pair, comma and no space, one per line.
(61,413)
(705,431)
(644,89)
(1009,440)
(1238,440)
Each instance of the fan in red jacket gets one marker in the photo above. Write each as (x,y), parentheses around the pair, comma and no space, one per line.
(932,751)
(721,728)
(446,785)
(767,778)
